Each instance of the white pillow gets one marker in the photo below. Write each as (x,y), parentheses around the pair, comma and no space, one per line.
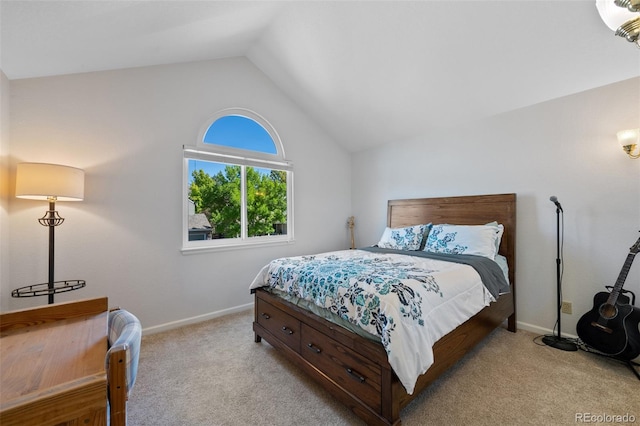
(480,240)
(500,232)
(407,238)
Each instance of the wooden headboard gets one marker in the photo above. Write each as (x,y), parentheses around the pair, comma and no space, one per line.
(465,210)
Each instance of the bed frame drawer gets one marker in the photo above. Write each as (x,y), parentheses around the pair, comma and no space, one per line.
(282,325)
(348,369)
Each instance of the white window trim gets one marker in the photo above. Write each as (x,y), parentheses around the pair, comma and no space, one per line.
(222,156)
(244,158)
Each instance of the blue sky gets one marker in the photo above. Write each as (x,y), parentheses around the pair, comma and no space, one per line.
(240,132)
(209,167)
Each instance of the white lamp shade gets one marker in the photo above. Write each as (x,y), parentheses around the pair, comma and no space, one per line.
(612,15)
(629,137)
(41,181)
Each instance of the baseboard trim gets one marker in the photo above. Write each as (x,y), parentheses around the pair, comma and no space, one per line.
(193,320)
(211,315)
(541,330)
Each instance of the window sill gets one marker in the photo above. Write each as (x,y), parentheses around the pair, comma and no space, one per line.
(234,246)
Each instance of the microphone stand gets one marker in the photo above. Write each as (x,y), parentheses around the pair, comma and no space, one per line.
(558,341)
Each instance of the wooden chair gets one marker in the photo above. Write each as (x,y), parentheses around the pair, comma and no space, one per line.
(124,337)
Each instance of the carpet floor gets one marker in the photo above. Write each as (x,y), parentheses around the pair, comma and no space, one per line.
(213,373)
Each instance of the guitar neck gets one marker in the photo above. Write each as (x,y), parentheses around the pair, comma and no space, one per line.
(613,297)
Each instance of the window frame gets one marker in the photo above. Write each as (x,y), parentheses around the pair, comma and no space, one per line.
(243,158)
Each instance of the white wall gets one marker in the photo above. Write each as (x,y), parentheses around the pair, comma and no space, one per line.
(126,130)
(566,147)
(4,184)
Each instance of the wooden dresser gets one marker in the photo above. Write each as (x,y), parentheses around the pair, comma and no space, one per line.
(53,365)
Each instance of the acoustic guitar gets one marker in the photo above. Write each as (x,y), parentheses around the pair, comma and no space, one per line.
(611,327)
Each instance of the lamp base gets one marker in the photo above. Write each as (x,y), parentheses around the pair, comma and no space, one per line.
(559,343)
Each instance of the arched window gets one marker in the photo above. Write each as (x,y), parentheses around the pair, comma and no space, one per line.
(238,184)
(237,131)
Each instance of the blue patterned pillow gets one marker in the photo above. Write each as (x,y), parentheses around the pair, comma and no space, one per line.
(481,240)
(407,238)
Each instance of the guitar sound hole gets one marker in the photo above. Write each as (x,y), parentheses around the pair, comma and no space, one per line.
(608,311)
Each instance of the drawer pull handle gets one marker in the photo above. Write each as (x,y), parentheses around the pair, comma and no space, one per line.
(355,375)
(314,348)
(287,330)
(265,315)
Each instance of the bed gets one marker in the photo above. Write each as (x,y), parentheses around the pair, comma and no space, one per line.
(355,368)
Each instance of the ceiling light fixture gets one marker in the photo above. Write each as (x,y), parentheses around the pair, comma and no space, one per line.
(622,16)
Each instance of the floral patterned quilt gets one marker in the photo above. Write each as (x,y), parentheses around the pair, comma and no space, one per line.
(409,302)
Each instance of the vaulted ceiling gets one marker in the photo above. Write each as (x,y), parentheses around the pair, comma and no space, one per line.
(370,72)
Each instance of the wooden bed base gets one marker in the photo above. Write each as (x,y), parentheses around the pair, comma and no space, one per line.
(355,369)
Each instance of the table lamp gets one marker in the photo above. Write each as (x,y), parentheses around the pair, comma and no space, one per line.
(51,182)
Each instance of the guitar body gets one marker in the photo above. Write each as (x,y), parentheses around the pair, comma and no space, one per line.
(617,336)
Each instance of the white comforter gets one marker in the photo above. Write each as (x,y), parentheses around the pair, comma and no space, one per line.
(409,302)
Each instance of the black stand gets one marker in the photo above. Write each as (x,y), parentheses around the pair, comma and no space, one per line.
(629,363)
(558,341)
(51,219)
(632,365)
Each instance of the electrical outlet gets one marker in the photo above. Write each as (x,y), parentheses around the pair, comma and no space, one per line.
(566,308)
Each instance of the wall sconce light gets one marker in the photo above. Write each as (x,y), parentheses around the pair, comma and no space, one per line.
(622,16)
(51,182)
(630,141)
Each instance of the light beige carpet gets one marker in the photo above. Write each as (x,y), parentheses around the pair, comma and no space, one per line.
(213,373)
